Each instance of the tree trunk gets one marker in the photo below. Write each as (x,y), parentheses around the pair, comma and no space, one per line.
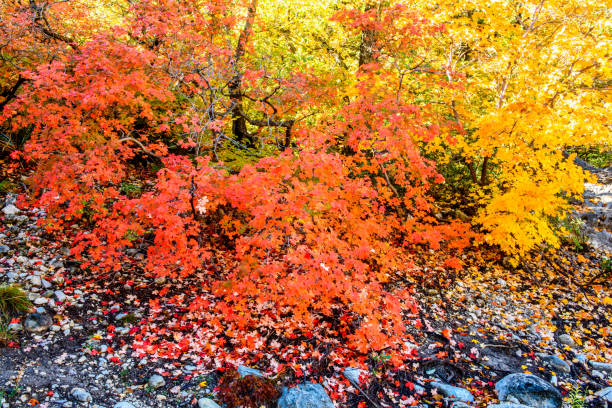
(367,48)
(239,123)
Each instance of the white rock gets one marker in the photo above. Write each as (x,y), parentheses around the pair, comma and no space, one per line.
(124,404)
(10,210)
(207,403)
(156,381)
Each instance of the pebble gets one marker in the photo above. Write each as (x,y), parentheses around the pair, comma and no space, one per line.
(450,391)
(567,340)
(15,327)
(10,210)
(244,371)
(156,381)
(60,296)
(555,362)
(41,301)
(80,394)
(4,249)
(124,404)
(354,374)
(207,403)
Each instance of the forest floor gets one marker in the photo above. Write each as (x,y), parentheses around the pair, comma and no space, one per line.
(550,316)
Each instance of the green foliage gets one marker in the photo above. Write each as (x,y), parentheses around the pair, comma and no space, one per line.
(606,266)
(5,335)
(13,301)
(130,189)
(7,186)
(597,156)
(572,232)
(576,397)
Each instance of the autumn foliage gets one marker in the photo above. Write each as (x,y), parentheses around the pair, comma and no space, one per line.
(295,184)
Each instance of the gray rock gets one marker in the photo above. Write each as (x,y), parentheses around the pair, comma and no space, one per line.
(60,296)
(529,390)
(459,404)
(305,396)
(156,381)
(508,405)
(41,301)
(4,249)
(567,340)
(37,322)
(555,362)
(244,371)
(450,391)
(124,404)
(605,394)
(207,403)
(10,210)
(35,280)
(582,359)
(601,366)
(352,374)
(80,395)
(15,327)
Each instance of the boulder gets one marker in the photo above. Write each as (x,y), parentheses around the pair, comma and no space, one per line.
(305,396)
(605,394)
(529,390)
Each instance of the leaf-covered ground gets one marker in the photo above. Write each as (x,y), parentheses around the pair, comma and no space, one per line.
(472,328)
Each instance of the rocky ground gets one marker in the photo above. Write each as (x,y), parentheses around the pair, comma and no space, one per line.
(536,335)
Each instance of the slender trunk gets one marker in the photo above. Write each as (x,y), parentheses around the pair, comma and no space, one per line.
(367,48)
(10,93)
(484,170)
(239,123)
